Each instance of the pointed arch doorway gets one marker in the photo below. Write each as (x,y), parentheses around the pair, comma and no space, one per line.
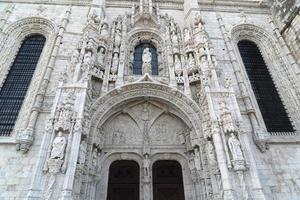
(167,180)
(123,182)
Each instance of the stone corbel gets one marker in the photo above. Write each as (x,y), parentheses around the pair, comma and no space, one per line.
(24,140)
(261,138)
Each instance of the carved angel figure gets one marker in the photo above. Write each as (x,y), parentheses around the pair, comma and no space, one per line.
(146,58)
(235,148)
(58,147)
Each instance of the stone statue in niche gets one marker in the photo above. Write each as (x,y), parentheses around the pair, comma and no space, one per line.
(211,157)
(94,17)
(119,23)
(146,177)
(118,38)
(87,60)
(73,63)
(177,65)
(146,58)
(191,63)
(101,56)
(197,159)
(227,122)
(235,148)
(146,166)
(104,30)
(172,26)
(186,35)
(82,152)
(198,22)
(58,147)
(174,38)
(64,114)
(95,157)
(115,64)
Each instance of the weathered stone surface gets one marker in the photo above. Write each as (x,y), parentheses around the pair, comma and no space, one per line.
(86,107)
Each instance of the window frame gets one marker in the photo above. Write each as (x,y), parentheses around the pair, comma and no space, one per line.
(4,79)
(254,97)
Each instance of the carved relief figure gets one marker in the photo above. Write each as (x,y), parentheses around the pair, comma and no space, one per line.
(146,58)
(115,64)
(235,148)
(58,147)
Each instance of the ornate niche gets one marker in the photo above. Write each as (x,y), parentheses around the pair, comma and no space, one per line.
(152,39)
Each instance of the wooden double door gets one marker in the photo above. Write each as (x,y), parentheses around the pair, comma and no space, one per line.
(124,181)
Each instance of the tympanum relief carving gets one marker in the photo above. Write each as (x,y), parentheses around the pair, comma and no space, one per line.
(144,123)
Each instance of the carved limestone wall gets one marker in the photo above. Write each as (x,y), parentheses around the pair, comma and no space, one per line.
(86,109)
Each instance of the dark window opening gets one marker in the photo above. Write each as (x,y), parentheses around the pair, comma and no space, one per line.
(123,183)
(268,99)
(138,62)
(167,180)
(17,81)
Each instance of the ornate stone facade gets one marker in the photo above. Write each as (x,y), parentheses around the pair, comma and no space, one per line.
(87,107)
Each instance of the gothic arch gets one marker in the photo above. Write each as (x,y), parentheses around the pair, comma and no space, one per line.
(191,113)
(270,51)
(14,34)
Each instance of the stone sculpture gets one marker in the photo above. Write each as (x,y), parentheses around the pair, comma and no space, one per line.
(58,147)
(235,148)
(146,58)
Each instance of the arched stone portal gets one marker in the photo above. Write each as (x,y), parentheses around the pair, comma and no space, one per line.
(144,122)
